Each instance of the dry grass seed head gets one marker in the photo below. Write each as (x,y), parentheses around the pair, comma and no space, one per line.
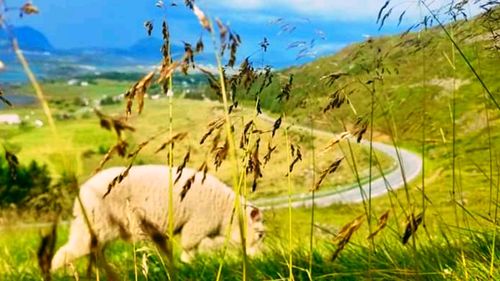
(141,89)
(176,138)
(344,235)
(116,124)
(199,46)
(235,42)
(286,90)
(213,82)
(149,27)
(120,148)
(264,44)
(165,48)
(337,99)
(118,179)
(245,138)
(212,126)
(3,99)
(189,3)
(166,70)
(295,151)
(411,226)
(256,165)
(221,154)
(204,22)
(181,167)
(203,168)
(337,140)
(188,58)
(143,144)
(270,150)
(276,125)
(187,186)
(266,82)
(222,34)
(330,170)
(28,9)
(138,91)
(360,128)
(46,252)
(382,223)
(216,140)
(332,77)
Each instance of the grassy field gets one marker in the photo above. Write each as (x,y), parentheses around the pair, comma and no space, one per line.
(419,93)
(414,91)
(84,143)
(438,257)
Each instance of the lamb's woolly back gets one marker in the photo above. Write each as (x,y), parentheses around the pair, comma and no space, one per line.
(144,192)
(202,216)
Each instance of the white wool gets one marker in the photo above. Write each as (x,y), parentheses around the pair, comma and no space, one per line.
(202,217)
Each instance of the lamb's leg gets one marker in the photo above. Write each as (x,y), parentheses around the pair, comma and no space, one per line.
(212,243)
(77,246)
(191,235)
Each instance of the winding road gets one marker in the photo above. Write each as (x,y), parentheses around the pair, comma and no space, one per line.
(409,169)
(396,178)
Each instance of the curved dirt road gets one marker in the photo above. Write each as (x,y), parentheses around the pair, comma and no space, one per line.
(410,168)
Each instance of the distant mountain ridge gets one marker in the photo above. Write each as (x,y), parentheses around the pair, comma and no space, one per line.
(28,38)
(49,62)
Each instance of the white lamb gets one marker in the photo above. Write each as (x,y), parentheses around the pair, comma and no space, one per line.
(202,217)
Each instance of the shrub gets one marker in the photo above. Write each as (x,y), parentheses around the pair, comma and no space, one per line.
(25,182)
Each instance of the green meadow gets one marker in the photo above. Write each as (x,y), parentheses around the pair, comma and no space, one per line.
(434,91)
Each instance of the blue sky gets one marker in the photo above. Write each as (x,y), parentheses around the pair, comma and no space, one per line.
(119,23)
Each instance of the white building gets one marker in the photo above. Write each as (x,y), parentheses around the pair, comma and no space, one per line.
(10,119)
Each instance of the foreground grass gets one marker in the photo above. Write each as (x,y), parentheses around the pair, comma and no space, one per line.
(435,258)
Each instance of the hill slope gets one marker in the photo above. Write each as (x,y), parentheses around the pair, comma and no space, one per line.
(424,96)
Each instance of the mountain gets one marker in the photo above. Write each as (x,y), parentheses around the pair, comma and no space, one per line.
(49,62)
(150,47)
(29,39)
(144,51)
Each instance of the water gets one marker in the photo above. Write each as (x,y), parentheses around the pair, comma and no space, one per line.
(18,101)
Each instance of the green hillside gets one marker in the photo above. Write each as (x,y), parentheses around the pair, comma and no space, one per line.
(424,97)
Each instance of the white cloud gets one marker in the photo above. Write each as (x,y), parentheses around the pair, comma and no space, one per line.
(339,10)
(329,47)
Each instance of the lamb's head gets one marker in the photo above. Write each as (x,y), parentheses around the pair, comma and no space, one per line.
(255,230)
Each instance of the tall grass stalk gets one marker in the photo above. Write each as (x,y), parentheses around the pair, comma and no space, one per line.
(370,175)
(290,213)
(424,123)
(454,135)
(354,168)
(462,54)
(313,207)
(490,180)
(170,94)
(233,157)
(46,108)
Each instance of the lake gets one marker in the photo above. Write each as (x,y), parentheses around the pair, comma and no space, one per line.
(18,100)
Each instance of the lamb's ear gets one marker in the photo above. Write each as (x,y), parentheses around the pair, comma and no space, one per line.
(255,214)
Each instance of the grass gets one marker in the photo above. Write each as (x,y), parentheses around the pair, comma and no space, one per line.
(426,112)
(418,68)
(437,259)
(85,142)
